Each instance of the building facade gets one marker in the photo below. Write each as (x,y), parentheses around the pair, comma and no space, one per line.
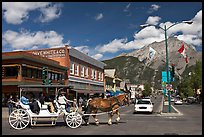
(21,68)
(85,74)
(112,82)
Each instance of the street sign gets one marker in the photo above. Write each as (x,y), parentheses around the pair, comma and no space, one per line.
(164,76)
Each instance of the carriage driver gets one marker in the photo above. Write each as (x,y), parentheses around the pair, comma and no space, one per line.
(62,100)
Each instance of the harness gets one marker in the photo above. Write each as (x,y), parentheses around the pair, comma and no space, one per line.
(117,103)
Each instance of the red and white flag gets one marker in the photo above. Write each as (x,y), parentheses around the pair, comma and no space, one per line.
(183,52)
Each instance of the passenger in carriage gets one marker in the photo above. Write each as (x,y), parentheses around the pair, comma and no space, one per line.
(28,100)
(43,100)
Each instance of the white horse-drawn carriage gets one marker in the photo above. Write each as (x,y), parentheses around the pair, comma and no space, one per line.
(21,117)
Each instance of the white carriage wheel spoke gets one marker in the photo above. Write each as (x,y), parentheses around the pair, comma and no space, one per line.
(12,116)
(24,121)
(13,120)
(20,124)
(17,124)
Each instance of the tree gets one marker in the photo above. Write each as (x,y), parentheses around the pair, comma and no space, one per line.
(191,82)
(186,88)
(147,89)
(196,76)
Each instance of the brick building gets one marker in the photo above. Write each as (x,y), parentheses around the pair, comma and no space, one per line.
(84,73)
(66,65)
(21,68)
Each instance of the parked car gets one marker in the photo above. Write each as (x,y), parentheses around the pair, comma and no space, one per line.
(178,102)
(191,100)
(143,105)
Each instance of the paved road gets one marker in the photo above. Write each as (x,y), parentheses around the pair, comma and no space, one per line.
(190,123)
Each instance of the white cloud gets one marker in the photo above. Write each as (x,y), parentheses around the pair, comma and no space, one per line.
(97,56)
(50,13)
(84,49)
(153,20)
(145,33)
(18,12)
(99,16)
(113,46)
(153,8)
(127,8)
(27,40)
(190,39)
(189,33)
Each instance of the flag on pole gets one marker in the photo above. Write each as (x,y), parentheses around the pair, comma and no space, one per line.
(183,52)
(152,52)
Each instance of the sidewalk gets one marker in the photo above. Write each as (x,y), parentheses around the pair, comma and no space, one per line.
(174,111)
(4,112)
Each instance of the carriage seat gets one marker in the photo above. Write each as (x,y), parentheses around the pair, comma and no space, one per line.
(24,106)
(42,106)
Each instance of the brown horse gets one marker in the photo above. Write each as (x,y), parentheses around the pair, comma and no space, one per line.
(110,104)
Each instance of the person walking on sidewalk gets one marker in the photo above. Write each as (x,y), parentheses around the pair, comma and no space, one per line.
(10,104)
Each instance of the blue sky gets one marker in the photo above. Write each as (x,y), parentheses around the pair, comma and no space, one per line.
(100,29)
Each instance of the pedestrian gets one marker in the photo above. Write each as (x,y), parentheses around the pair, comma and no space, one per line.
(10,102)
(17,102)
(80,102)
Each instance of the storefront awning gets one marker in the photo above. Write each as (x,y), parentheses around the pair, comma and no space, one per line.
(88,91)
(113,93)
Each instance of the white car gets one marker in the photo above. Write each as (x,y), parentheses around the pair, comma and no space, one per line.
(178,102)
(143,105)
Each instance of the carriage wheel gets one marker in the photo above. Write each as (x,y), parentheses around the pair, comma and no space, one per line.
(19,119)
(74,120)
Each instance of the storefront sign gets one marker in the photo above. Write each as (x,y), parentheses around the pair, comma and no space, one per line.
(52,53)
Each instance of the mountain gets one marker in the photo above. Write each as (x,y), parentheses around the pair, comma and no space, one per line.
(137,67)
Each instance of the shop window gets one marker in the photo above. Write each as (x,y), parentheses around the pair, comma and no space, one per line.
(56,76)
(29,73)
(39,74)
(11,71)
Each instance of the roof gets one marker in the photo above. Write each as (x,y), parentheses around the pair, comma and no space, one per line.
(79,55)
(31,57)
(110,72)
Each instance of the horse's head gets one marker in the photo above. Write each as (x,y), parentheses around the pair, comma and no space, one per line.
(123,98)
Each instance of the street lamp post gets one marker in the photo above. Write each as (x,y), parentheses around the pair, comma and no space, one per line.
(167,61)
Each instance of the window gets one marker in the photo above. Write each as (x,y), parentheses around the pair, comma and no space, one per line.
(39,74)
(11,71)
(49,75)
(56,76)
(82,71)
(95,72)
(99,76)
(71,68)
(76,69)
(92,73)
(29,72)
(87,72)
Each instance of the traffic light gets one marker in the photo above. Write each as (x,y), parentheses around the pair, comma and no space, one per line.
(49,82)
(44,75)
(44,81)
